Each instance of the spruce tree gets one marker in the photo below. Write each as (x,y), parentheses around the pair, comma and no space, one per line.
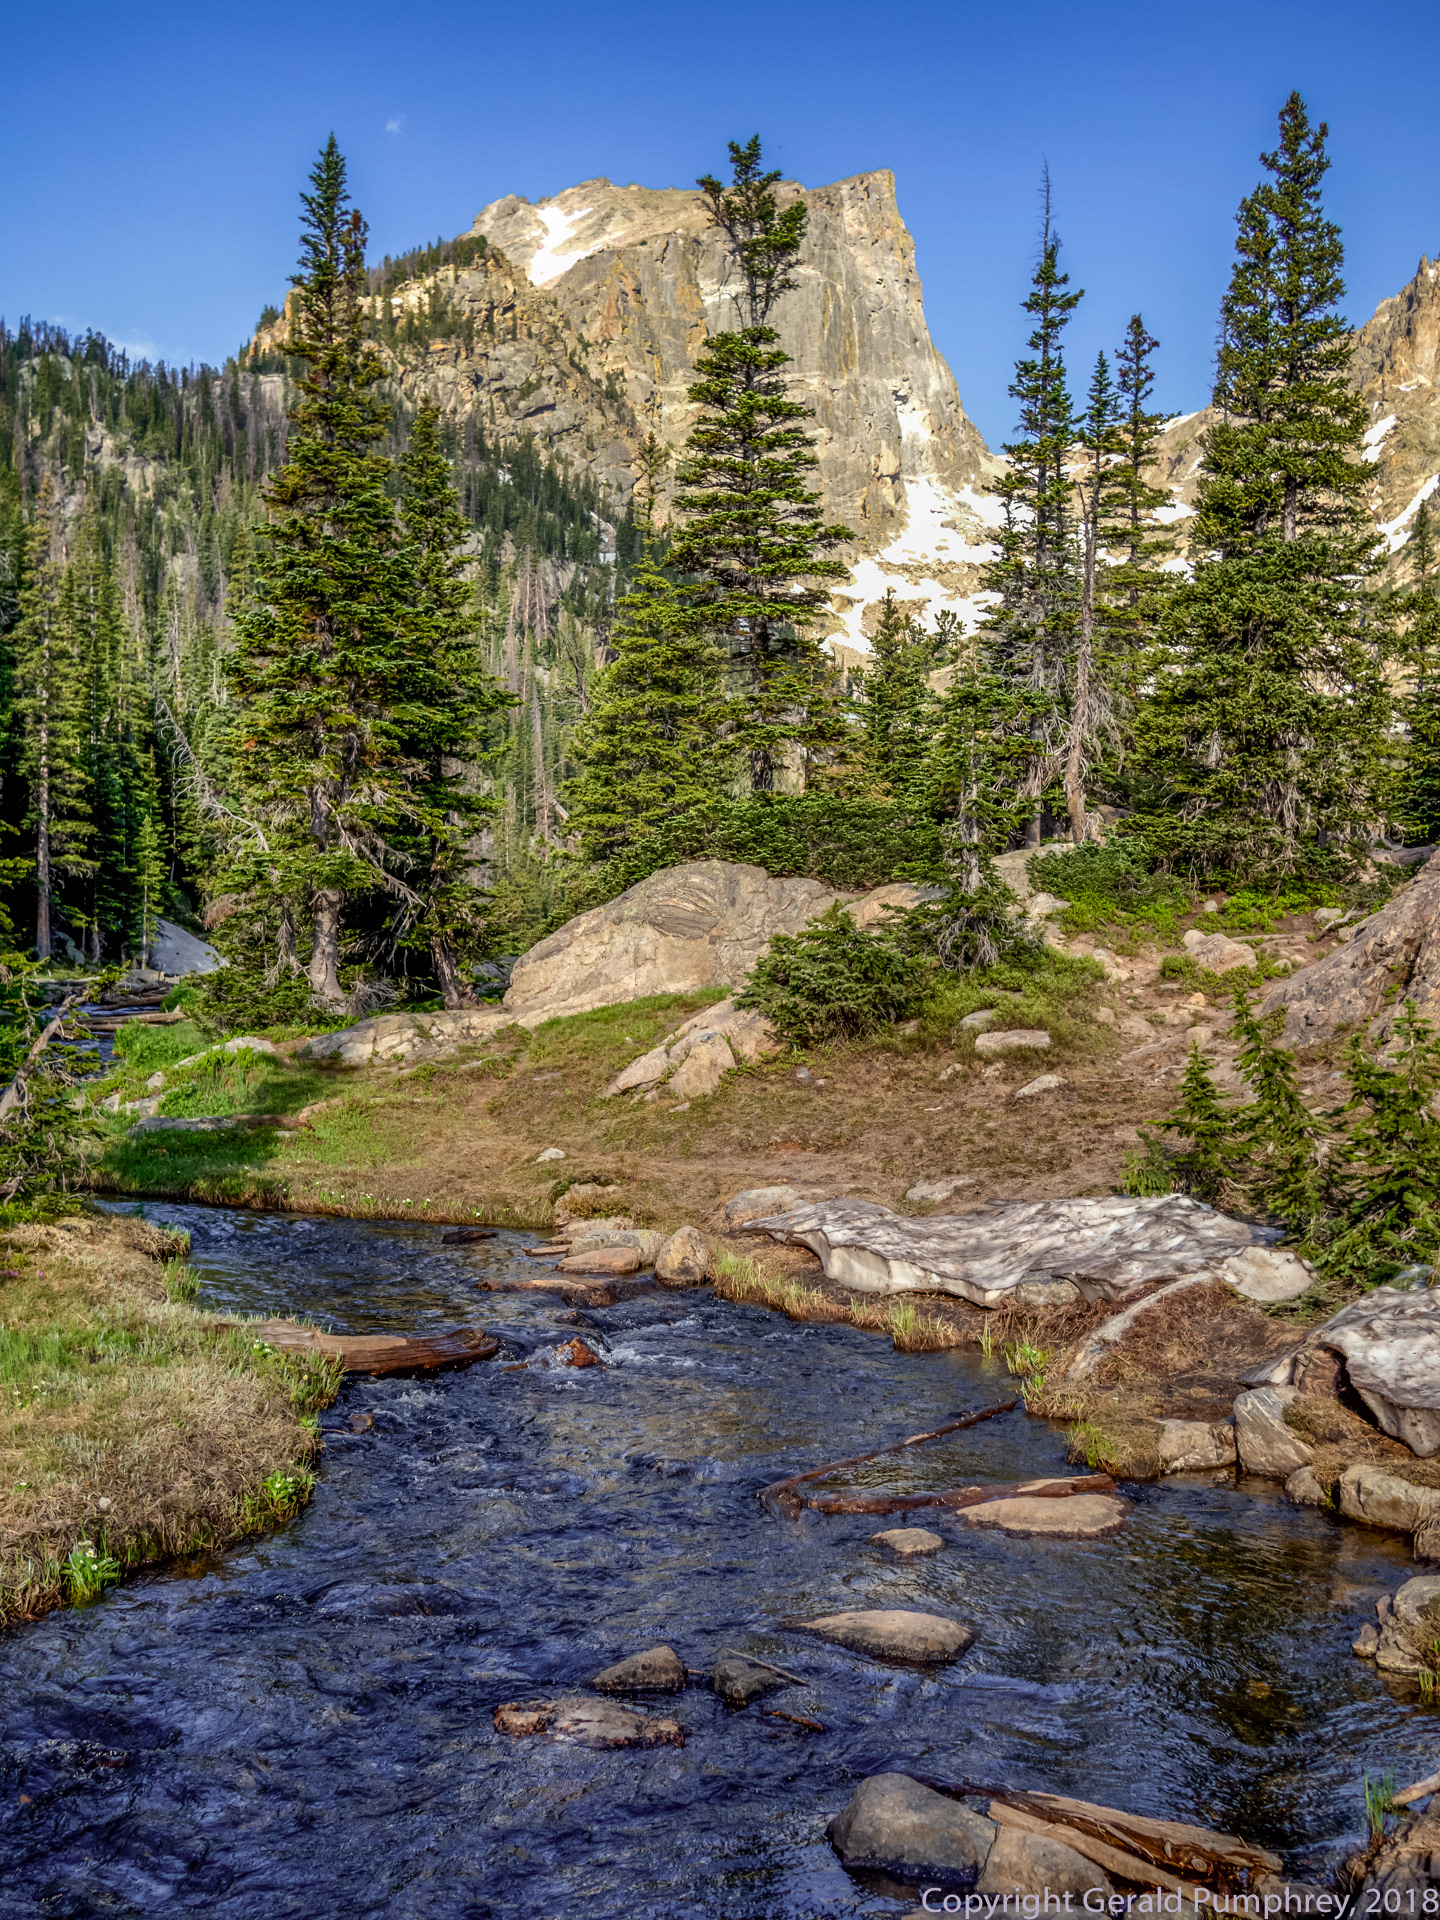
(1265,738)
(1282,1140)
(50,711)
(1030,631)
(1088,707)
(1136,578)
(1211,1160)
(1391,1212)
(323,656)
(653,744)
(752,537)
(443,713)
(895,705)
(1417,803)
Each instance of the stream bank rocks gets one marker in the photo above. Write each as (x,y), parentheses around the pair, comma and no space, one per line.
(893,1633)
(581,1721)
(684,1260)
(1389,1343)
(1020,1252)
(1410,1629)
(1190,1446)
(1266,1445)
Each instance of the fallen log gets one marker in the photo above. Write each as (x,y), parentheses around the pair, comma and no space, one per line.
(465,1236)
(1408,1795)
(1114,1860)
(957,1497)
(375,1353)
(15,1091)
(780,1496)
(1153,1846)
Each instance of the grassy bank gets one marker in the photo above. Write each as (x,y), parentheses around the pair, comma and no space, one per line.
(134,1430)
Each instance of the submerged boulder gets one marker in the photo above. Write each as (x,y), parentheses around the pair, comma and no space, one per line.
(738,1681)
(1081,1516)
(894,1825)
(580,1721)
(894,1633)
(657,1670)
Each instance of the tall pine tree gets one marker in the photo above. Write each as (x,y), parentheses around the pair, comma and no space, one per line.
(324,657)
(1417,805)
(50,710)
(752,537)
(444,714)
(1265,738)
(1029,634)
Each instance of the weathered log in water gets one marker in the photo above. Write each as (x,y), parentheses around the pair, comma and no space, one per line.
(781,1498)
(957,1497)
(377,1353)
(466,1236)
(1132,1846)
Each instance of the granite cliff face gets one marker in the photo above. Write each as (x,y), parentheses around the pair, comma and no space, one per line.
(585,317)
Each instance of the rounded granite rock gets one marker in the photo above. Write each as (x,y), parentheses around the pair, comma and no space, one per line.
(1082,1516)
(893,1633)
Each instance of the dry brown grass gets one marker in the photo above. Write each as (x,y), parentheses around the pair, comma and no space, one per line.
(128,1420)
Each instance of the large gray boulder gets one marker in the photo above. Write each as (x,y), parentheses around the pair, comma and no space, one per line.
(1391,1344)
(176,952)
(1022,1252)
(894,1825)
(704,924)
(390,1038)
(1352,987)
(1410,1633)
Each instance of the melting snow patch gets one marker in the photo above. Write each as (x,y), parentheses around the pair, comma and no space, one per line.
(930,532)
(1374,440)
(1396,531)
(1177,510)
(549,263)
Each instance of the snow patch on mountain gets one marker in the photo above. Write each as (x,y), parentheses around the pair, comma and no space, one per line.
(549,261)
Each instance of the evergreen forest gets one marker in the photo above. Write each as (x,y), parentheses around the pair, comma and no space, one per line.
(377,694)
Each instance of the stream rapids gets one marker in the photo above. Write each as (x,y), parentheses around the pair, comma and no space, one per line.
(302,1729)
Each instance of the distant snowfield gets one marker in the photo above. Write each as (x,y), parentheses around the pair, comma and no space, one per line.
(549,261)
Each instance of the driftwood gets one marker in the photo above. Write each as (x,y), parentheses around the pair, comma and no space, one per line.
(376,1353)
(1409,1795)
(464,1236)
(102,1023)
(768,1665)
(15,1091)
(781,1497)
(1133,1845)
(958,1497)
(776,1713)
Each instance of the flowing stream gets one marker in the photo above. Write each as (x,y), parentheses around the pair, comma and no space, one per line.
(302,1729)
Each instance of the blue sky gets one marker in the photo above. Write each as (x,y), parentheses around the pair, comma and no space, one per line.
(156,153)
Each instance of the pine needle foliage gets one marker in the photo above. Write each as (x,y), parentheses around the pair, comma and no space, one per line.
(834,981)
(1282,1140)
(752,543)
(654,743)
(1391,1159)
(1209,1163)
(1417,807)
(324,666)
(1264,739)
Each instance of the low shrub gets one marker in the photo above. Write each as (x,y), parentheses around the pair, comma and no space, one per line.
(834,982)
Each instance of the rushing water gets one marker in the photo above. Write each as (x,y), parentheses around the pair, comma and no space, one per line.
(304,1728)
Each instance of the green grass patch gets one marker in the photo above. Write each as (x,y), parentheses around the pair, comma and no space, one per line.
(1109,887)
(141,1051)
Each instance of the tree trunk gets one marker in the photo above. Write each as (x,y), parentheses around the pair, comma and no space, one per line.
(323,972)
(454,987)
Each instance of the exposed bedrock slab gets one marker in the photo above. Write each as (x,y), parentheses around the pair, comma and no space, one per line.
(1023,1252)
(702,924)
(1354,985)
(894,1825)
(894,1633)
(1391,1344)
(1381,1499)
(404,1036)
